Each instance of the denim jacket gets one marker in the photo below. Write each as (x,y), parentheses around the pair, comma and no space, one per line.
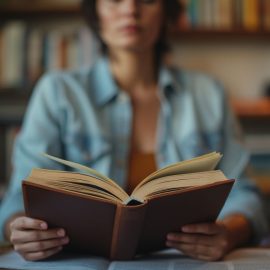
(84,117)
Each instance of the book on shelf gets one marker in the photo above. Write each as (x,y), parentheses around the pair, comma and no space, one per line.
(224,15)
(28,50)
(12,50)
(251,15)
(266,14)
(102,219)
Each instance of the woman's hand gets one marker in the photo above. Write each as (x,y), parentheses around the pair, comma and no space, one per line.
(211,241)
(33,240)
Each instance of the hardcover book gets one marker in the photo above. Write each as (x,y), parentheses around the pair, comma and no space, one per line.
(101,219)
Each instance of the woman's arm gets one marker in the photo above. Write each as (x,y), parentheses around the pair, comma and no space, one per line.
(40,133)
(242,219)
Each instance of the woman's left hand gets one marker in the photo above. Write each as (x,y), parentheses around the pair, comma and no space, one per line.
(211,241)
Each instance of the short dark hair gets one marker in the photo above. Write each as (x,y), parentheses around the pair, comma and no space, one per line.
(172,10)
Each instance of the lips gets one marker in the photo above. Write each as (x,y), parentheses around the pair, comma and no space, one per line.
(131,29)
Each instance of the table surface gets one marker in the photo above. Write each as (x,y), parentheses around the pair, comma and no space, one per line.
(249,258)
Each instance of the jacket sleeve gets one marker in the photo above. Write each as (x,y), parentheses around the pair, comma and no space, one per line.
(40,133)
(245,197)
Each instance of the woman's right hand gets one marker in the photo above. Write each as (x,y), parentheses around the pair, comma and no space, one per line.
(33,240)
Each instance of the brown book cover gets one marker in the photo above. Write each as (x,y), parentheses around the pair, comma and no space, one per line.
(117,231)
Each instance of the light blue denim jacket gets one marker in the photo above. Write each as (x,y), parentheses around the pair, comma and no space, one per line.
(84,117)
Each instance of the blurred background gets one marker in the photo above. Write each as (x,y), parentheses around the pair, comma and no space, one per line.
(228,39)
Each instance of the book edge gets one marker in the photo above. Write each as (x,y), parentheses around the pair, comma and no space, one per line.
(186,190)
(25,183)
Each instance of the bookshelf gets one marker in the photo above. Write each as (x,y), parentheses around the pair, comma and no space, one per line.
(14,98)
(252,108)
(31,12)
(223,35)
(254,116)
(240,22)
(225,16)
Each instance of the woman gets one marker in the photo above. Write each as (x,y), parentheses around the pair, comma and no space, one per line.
(126,116)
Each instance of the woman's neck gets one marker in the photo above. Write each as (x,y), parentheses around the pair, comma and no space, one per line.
(134,71)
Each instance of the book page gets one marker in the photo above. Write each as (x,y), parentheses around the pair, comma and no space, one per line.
(79,167)
(199,164)
(91,192)
(87,170)
(75,182)
(177,182)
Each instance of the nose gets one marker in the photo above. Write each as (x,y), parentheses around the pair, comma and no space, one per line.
(130,7)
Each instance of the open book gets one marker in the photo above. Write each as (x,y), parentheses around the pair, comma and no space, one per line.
(101,218)
(190,173)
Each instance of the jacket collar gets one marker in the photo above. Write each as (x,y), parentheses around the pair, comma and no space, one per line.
(105,88)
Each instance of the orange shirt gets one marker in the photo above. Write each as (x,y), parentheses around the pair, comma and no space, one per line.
(140,166)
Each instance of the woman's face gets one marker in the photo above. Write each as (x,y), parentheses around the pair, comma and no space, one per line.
(130,24)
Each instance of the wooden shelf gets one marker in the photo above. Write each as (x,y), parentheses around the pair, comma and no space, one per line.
(13,103)
(251,108)
(13,94)
(24,11)
(204,34)
(263,182)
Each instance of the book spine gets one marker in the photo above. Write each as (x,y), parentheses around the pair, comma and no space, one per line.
(225,11)
(183,21)
(237,14)
(34,61)
(251,15)
(266,14)
(193,12)
(127,229)
(12,53)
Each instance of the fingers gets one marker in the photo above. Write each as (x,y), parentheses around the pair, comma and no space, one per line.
(22,223)
(34,241)
(40,245)
(40,249)
(204,228)
(196,239)
(40,255)
(18,237)
(202,252)
(205,241)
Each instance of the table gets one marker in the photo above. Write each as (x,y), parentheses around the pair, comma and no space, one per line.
(246,258)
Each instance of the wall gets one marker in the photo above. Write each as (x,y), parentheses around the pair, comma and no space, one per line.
(243,66)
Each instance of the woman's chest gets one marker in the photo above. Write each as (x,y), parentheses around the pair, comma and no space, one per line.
(103,137)
(145,118)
